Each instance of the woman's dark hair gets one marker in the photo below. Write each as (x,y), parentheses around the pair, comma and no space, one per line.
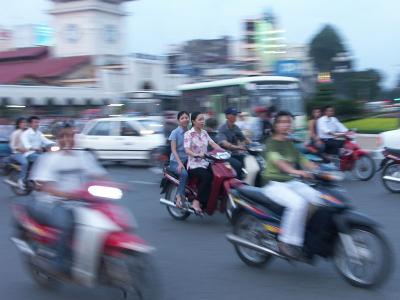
(194,115)
(181,113)
(280,114)
(18,122)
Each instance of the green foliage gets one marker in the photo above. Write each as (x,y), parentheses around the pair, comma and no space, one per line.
(373,125)
(325,93)
(365,85)
(348,108)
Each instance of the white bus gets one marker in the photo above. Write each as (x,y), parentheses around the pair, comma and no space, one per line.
(246,93)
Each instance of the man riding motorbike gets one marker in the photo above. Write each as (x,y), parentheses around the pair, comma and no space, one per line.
(261,129)
(231,138)
(329,128)
(33,140)
(283,163)
(59,173)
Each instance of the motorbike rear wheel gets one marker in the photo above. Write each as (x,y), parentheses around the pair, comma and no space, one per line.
(392,169)
(246,226)
(176,213)
(42,279)
(375,258)
(13,177)
(364,168)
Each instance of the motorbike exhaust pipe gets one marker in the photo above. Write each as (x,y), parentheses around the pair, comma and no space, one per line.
(10,182)
(23,246)
(172,204)
(236,240)
(391,178)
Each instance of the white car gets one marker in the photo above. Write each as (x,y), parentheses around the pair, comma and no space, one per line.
(122,138)
(389,139)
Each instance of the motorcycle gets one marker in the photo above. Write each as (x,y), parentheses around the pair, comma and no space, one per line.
(104,247)
(223,179)
(390,166)
(351,158)
(333,231)
(11,170)
(254,164)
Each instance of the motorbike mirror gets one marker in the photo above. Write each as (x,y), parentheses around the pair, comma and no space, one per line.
(222,155)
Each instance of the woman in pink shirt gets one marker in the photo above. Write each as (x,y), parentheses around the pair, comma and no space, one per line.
(196,141)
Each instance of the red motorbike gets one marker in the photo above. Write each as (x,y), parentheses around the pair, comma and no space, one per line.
(105,249)
(391,169)
(351,158)
(219,199)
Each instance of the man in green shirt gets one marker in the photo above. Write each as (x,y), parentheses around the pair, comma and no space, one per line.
(283,163)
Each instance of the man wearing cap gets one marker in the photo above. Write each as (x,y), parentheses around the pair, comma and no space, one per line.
(231,138)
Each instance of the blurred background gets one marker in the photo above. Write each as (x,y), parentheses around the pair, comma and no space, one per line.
(79,58)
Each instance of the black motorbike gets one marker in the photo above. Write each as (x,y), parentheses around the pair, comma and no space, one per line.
(10,169)
(334,230)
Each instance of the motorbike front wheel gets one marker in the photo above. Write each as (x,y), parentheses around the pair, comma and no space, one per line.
(364,168)
(176,213)
(144,280)
(248,227)
(372,266)
(393,170)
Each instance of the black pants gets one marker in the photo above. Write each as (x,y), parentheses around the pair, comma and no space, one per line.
(237,162)
(204,177)
(332,146)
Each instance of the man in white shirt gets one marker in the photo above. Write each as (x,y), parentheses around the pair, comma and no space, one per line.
(33,140)
(60,174)
(329,128)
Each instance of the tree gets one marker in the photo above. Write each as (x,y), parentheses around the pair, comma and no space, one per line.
(324,47)
(365,85)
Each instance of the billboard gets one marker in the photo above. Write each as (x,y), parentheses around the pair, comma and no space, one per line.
(290,68)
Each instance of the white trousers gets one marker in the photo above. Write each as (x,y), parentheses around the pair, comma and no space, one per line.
(295,197)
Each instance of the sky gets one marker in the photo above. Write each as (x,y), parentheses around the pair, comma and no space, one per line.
(370,28)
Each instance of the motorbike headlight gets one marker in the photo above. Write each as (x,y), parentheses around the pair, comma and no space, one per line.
(54,148)
(105,192)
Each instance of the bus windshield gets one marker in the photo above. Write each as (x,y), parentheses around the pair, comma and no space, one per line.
(289,100)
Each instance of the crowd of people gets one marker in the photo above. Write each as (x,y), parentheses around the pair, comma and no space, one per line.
(61,172)
(284,162)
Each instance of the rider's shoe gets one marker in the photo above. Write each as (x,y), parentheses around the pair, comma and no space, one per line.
(291,251)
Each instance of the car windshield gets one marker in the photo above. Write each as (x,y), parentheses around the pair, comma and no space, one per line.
(152,125)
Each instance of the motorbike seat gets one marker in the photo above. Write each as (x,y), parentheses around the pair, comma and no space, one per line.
(395,152)
(255,194)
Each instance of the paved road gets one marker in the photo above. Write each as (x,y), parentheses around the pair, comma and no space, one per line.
(195,260)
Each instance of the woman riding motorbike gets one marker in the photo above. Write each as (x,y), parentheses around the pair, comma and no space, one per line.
(283,163)
(178,156)
(196,141)
(18,150)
